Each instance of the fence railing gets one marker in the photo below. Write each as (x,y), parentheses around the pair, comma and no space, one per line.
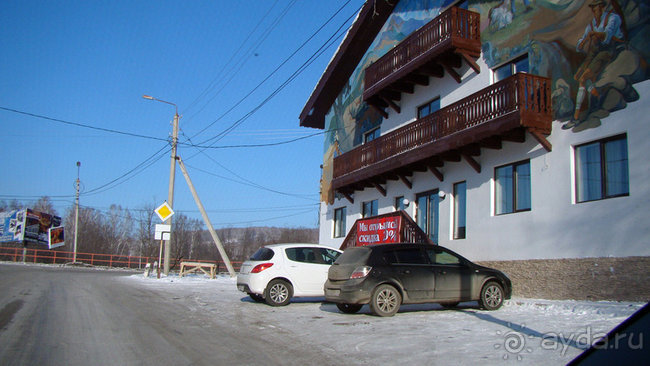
(458,25)
(527,94)
(47,256)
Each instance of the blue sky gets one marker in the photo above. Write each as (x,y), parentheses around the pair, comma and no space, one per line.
(88,63)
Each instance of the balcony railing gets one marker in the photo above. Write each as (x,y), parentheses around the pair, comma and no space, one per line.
(523,100)
(455,28)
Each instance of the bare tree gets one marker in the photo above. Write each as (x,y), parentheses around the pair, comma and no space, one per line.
(44,204)
(118,230)
(145,231)
(186,237)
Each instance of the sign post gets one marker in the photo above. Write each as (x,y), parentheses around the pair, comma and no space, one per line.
(163,232)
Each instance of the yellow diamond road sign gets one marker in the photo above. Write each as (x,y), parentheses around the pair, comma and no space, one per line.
(164,211)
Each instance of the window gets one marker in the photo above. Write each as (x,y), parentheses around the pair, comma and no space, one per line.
(327,256)
(439,256)
(460,209)
(399,203)
(430,107)
(339,222)
(512,188)
(426,213)
(517,65)
(369,136)
(602,169)
(262,254)
(304,255)
(370,208)
(405,256)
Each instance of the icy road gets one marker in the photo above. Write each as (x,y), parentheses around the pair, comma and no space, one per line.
(61,316)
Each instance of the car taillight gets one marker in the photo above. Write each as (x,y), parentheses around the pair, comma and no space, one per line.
(260,267)
(360,272)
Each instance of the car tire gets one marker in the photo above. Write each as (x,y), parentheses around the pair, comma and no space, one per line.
(492,296)
(278,293)
(385,300)
(256,297)
(349,308)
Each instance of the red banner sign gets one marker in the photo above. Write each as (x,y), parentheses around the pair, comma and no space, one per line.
(379,231)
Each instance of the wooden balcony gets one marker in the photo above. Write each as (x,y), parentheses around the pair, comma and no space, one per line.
(436,47)
(502,111)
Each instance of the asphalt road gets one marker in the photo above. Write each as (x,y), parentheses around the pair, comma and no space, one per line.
(73,316)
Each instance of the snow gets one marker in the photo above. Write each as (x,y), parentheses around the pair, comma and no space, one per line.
(523,331)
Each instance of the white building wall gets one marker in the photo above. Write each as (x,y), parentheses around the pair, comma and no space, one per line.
(556,226)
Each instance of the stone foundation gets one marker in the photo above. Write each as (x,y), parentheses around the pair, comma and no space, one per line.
(620,279)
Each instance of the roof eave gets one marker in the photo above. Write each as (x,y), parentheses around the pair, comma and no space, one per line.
(362,33)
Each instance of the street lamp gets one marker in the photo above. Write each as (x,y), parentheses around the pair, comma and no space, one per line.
(172,176)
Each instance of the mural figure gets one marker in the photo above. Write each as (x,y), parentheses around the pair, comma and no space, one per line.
(602,40)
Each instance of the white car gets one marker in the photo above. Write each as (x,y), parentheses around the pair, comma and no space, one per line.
(278,272)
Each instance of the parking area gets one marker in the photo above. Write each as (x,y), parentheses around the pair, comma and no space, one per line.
(534,331)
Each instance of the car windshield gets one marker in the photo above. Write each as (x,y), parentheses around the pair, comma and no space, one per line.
(262,254)
(354,255)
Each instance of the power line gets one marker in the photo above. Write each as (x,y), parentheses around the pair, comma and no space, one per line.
(226,131)
(247,182)
(77,124)
(148,162)
(82,125)
(243,60)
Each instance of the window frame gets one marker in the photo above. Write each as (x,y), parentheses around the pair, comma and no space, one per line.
(512,64)
(457,232)
(603,164)
(515,194)
(432,224)
(340,227)
(375,133)
(399,203)
(428,104)
(373,206)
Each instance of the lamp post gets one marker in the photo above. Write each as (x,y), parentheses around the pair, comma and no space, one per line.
(172,176)
(76,215)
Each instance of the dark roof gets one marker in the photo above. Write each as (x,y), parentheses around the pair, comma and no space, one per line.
(371,19)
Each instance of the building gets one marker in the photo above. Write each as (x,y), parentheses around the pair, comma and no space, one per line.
(506,129)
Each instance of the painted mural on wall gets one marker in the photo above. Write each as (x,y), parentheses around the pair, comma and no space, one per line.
(349,118)
(593,50)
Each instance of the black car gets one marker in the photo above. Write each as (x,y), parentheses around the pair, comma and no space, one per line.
(388,275)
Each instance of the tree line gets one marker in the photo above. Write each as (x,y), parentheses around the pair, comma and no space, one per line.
(121,231)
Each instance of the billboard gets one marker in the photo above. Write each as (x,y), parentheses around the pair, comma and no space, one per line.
(29,226)
(380,230)
(12,226)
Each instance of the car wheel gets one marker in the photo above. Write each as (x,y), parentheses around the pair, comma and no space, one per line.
(349,308)
(491,296)
(385,301)
(278,293)
(256,297)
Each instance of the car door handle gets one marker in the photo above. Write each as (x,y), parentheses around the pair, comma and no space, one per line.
(442,272)
(406,271)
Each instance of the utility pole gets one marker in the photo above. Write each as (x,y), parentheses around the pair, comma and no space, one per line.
(76,216)
(213,233)
(172,178)
(170,194)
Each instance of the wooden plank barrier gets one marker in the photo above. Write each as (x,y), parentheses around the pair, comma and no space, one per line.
(189,267)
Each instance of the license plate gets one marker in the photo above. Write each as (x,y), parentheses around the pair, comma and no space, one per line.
(332,292)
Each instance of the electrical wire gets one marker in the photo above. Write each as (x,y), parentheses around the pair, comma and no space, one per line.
(271,74)
(82,125)
(129,174)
